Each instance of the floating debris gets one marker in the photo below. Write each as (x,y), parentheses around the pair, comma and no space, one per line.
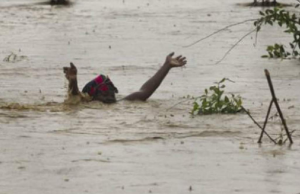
(12,58)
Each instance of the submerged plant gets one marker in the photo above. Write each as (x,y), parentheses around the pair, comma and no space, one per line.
(214,101)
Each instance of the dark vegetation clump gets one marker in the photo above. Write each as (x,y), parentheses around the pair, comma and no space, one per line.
(59,2)
(265,3)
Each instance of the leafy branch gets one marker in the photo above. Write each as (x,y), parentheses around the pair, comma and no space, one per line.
(277,15)
(285,19)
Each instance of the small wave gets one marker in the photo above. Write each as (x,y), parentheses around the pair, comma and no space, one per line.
(91,160)
(124,141)
(211,134)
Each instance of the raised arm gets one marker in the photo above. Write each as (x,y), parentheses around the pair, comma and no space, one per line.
(71,75)
(154,82)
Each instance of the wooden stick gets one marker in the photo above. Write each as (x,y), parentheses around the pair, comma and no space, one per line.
(258,125)
(277,105)
(266,121)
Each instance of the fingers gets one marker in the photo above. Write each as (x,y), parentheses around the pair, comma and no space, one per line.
(180,58)
(72,65)
(182,61)
(65,69)
(171,54)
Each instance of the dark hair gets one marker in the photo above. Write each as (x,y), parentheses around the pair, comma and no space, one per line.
(102,89)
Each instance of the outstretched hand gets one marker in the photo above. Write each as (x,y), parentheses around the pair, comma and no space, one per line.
(178,61)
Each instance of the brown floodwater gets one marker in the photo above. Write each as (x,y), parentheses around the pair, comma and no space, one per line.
(47,146)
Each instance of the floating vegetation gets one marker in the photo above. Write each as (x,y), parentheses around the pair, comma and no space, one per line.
(12,58)
(216,102)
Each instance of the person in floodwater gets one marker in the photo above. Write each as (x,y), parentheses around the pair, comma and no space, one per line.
(102,89)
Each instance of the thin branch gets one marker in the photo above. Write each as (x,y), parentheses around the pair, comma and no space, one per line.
(178,103)
(235,46)
(218,31)
(256,35)
(287,137)
(283,135)
(247,112)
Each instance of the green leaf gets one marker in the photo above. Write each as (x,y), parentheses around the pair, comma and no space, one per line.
(270,22)
(222,80)
(271,55)
(277,54)
(295,53)
(270,48)
(221,93)
(226,99)
(269,11)
(239,102)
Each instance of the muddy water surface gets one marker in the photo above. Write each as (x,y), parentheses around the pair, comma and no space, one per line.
(153,147)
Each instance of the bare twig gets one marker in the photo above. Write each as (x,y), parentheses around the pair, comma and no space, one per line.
(256,35)
(248,113)
(232,47)
(178,103)
(218,31)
